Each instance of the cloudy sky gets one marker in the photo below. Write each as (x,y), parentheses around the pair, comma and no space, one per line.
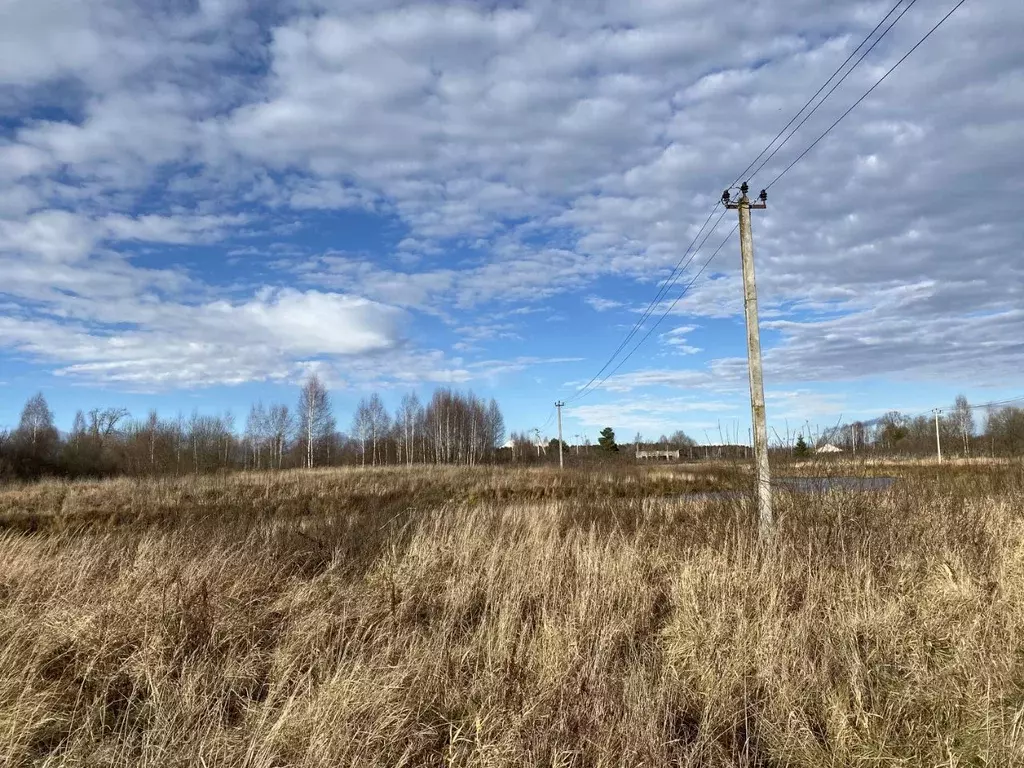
(202,200)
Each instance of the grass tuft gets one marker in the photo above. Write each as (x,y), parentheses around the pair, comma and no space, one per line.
(503,617)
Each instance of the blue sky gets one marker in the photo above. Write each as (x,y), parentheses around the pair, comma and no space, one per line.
(202,202)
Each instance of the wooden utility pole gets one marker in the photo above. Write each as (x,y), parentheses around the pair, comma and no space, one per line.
(558,406)
(766,519)
(938,440)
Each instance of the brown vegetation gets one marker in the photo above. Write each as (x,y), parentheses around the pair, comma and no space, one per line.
(489,617)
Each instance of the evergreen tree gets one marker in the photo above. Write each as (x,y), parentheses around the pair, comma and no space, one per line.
(607,440)
(801,448)
(553,446)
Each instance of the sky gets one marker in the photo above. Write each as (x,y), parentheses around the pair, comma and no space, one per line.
(203,201)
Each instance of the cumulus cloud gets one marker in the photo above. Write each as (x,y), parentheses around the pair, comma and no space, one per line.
(602,304)
(264,337)
(557,144)
(655,416)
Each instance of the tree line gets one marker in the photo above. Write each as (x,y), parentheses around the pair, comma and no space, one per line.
(964,430)
(451,428)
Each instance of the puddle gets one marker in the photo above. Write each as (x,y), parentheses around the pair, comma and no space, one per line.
(822,484)
(806,485)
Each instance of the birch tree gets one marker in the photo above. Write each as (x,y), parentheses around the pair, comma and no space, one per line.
(495,426)
(256,433)
(361,427)
(314,413)
(36,425)
(279,425)
(962,421)
(378,423)
(408,420)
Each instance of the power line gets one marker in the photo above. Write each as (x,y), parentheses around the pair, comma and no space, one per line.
(665,314)
(680,267)
(677,272)
(866,93)
(997,403)
(822,88)
(992,404)
(543,426)
(838,83)
(586,390)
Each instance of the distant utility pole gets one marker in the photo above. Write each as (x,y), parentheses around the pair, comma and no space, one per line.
(576,439)
(938,441)
(561,463)
(853,439)
(764,479)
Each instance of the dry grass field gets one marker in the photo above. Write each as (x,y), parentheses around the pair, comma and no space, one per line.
(499,617)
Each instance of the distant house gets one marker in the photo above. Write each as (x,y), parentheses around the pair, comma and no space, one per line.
(828,448)
(657,455)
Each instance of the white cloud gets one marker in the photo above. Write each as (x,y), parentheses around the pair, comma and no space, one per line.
(328,194)
(602,304)
(654,416)
(559,144)
(675,339)
(219,342)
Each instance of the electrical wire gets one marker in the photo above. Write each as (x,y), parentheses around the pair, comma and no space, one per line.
(666,313)
(833,88)
(822,88)
(680,267)
(590,387)
(543,426)
(997,403)
(677,272)
(866,93)
(929,411)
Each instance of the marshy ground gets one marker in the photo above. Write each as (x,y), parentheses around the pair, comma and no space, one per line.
(508,617)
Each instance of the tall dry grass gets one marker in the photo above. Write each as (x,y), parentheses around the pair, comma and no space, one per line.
(478,618)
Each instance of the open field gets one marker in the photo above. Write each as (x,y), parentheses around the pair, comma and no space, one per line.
(503,617)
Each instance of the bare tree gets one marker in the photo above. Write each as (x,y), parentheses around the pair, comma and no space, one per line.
(495,426)
(315,419)
(1004,431)
(461,428)
(103,422)
(178,440)
(78,430)
(680,439)
(962,421)
(408,419)
(152,429)
(256,433)
(279,424)
(36,424)
(227,436)
(378,423)
(361,427)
